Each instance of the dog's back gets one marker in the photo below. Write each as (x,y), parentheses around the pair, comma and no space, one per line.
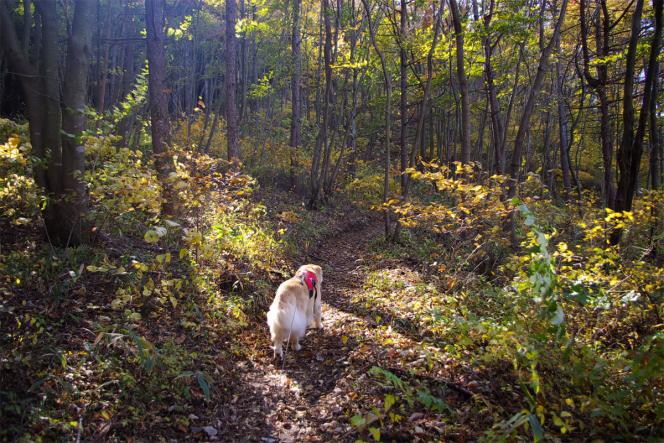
(289,314)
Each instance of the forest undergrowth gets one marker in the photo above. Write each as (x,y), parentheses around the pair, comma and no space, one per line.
(141,332)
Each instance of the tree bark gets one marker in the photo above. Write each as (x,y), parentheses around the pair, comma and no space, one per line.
(158,97)
(323,142)
(463,82)
(515,166)
(49,56)
(403,99)
(496,123)
(563,126)
(102,62)
(631,146)
(600,85)
(73,120)
(31,87)
(655,139)
(419,134)
(295,90)
(231,83)
(388,118)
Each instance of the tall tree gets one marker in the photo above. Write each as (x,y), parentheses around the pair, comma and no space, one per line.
(533,93)
(158,97)
(295,89)
(388,116)
(317,180)
(73,118)
(231,82)
(563,124)
(403,98)
(497,129)
(631,146)
(419,134)
(655,138)
(463,81)
(600,83)
(49,130)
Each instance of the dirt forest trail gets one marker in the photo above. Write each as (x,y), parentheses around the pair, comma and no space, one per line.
(308,399)
(320,387)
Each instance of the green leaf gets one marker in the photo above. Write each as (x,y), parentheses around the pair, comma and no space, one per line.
(151,236)
(204,384)
(390,400)
(375,433)
(538,432)
(357,421)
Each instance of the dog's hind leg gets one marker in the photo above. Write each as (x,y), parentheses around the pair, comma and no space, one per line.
(295,343)
(318,313)
(277,345)
(278,351)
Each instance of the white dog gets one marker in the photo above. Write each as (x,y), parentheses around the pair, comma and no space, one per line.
(296,305)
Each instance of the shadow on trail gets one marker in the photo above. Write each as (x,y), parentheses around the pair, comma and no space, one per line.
(319,365)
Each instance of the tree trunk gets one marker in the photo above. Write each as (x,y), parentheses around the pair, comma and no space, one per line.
(563,127)
(158,97)
(353,112)
(231,83)
(655,140)
(49,56)
(388,118)
(515,166)
(102,62)
(496,123)
(463,82)
(600,85)
(315,162)
(295,90)
(324,144)
(631,146)
(403,99)
(31,87)
(72,209)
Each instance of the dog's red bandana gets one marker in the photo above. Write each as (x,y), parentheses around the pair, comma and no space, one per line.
(310,281)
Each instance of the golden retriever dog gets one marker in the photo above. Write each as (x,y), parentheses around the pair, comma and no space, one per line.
(296,305)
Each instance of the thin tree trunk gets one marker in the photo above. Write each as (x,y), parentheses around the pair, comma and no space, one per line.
(327,99)
(655,140)
(27,24)
(631,146)
(231,83)
(103,63)
(600,85)
(158,96)
(295,90)
(427,88)
(315,162)
(463,82)
(388,118)
(243,65)
(353,111)
(563,127)
(515,166)
(496,124)
(403,98)
(31,87)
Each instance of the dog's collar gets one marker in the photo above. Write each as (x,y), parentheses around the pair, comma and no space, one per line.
(309,279)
